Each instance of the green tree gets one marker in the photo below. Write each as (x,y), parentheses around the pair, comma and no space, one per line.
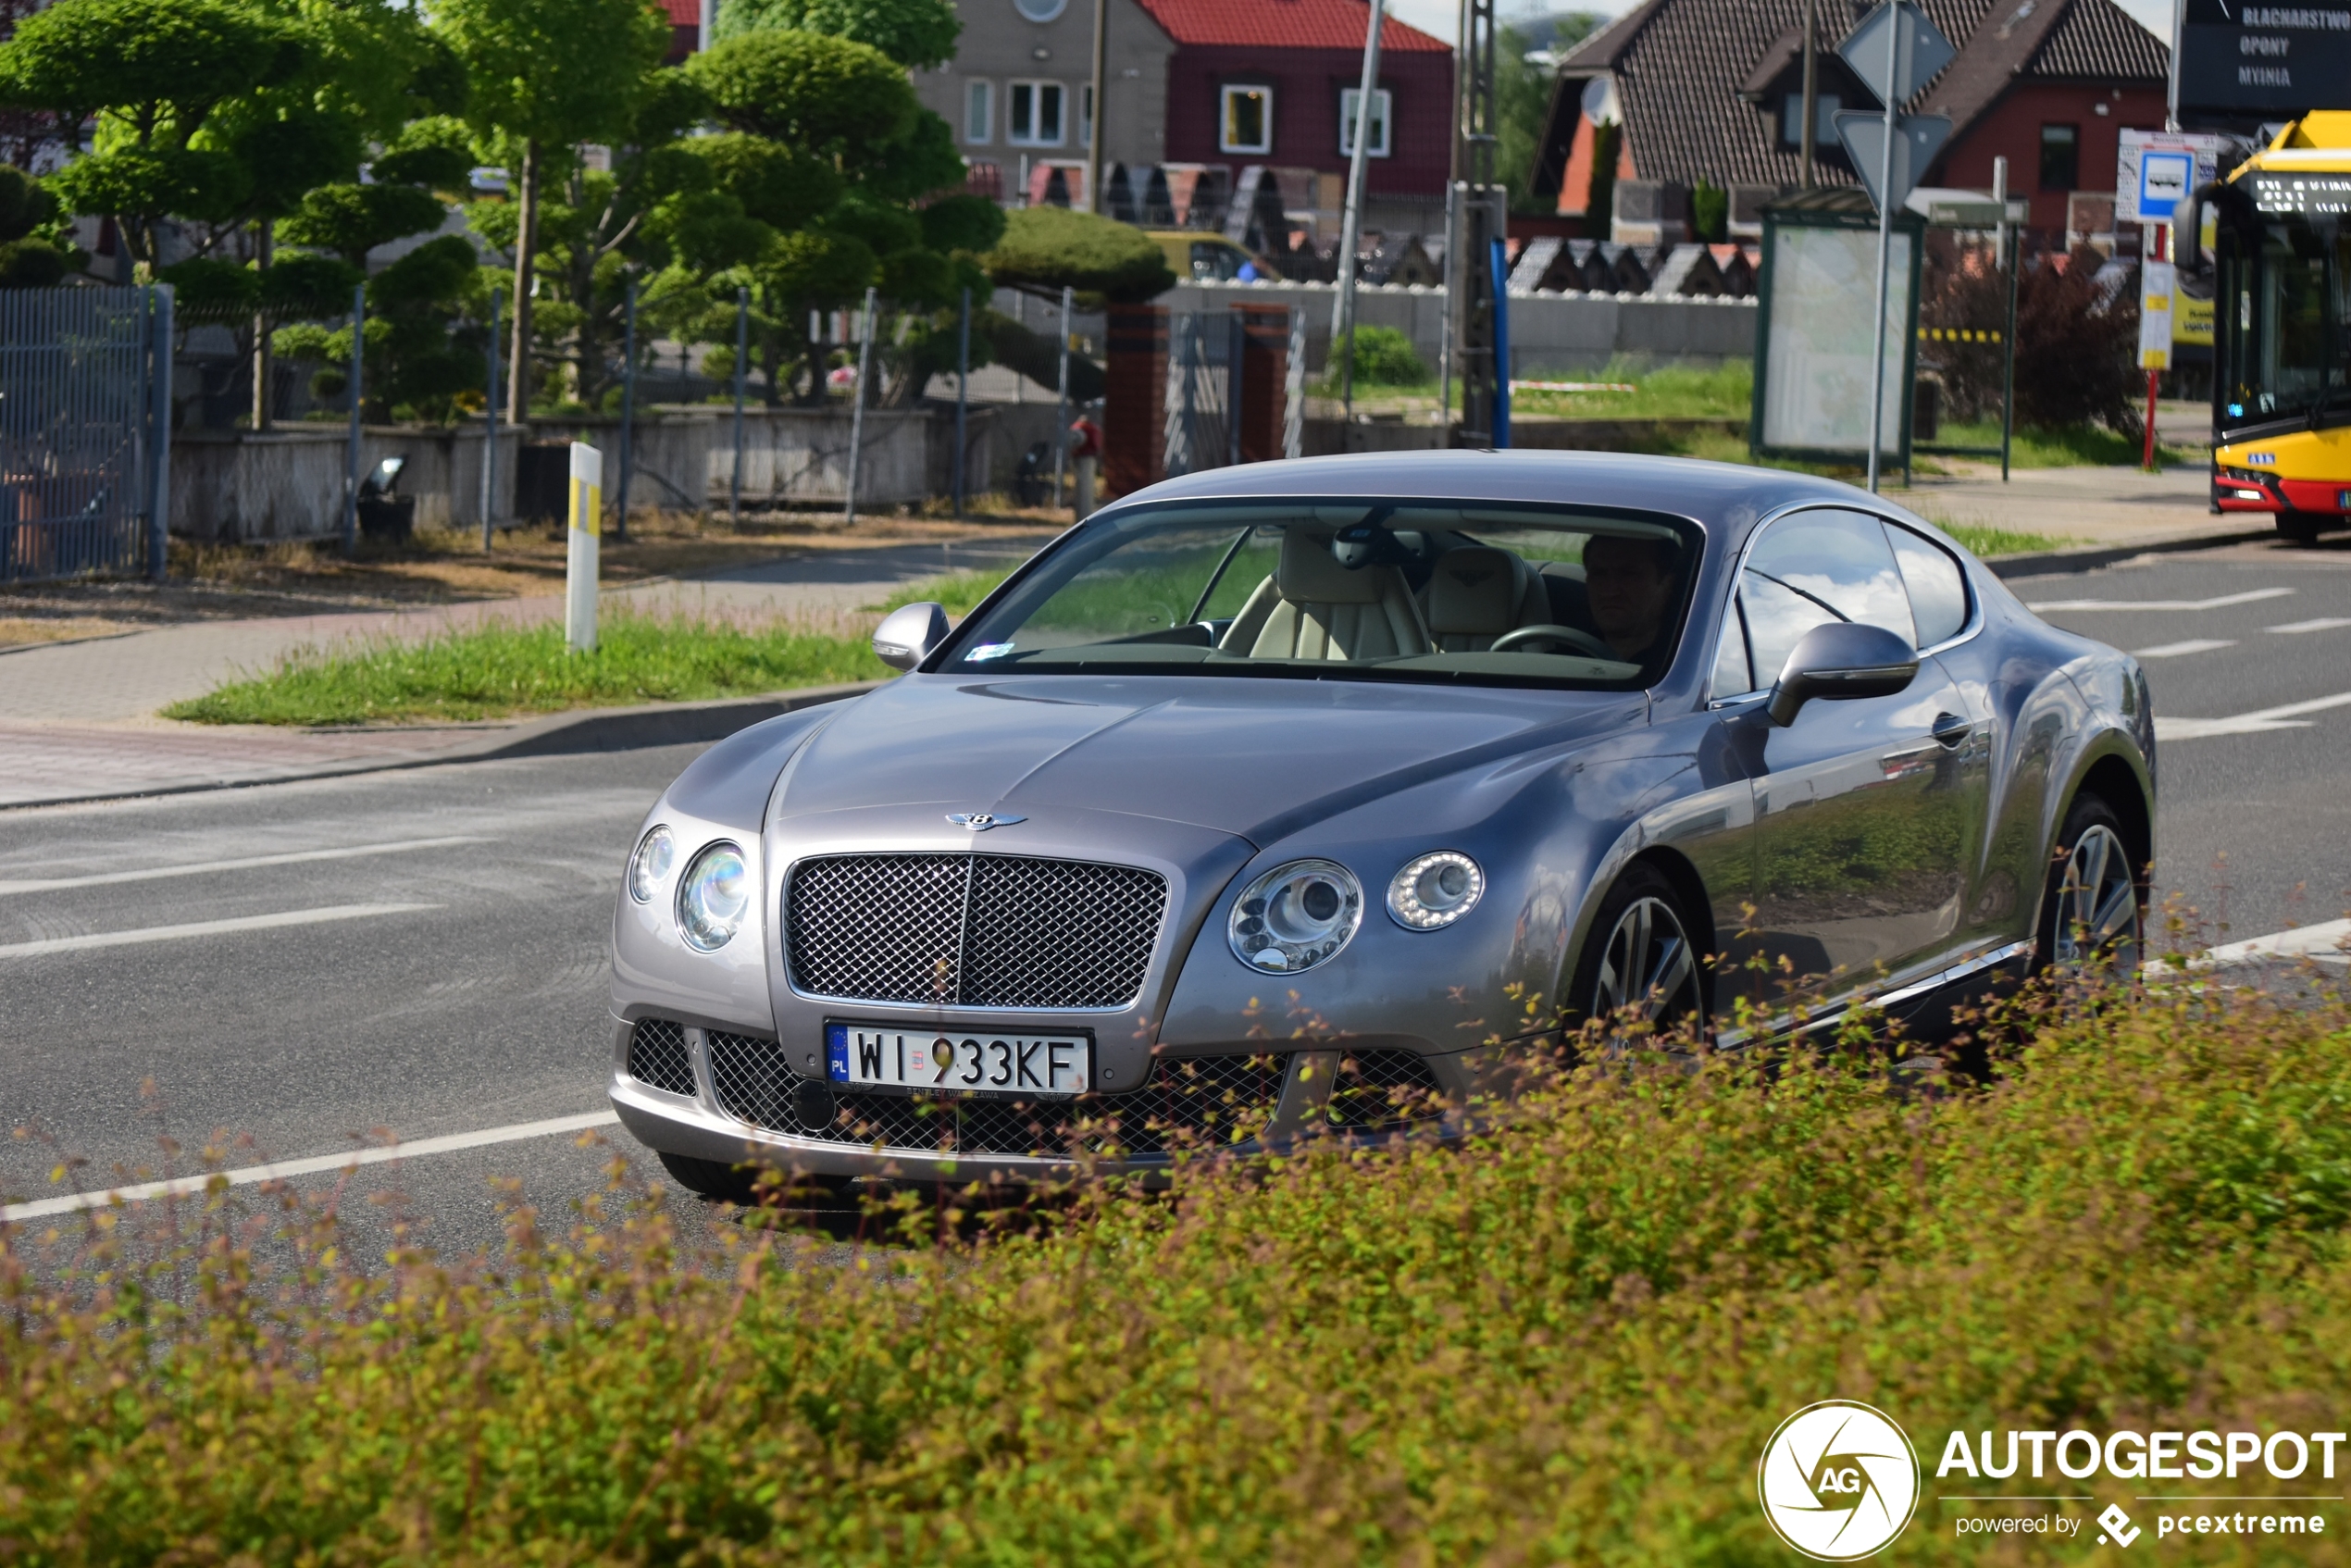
(34,252)
(153,76)
(1525,54)
(1051,248)
(918,34)
(549,74)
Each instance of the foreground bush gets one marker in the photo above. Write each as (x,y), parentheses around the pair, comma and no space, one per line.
(1564,1343)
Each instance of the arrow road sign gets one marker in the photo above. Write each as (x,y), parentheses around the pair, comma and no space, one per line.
(1916,138)
(1920,50)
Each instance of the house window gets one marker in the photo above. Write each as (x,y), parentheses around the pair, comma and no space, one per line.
(1350,104)
(1035,117)
(1085,114)
(979,111)
(1824,108)
(1040,11)
(2060,157)
(1247,124)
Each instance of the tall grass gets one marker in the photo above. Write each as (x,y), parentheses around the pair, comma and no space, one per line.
(499,669)
(1724,391)
(1564,1339)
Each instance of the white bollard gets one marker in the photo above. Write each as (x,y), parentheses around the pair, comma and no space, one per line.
(579,556)
(1085,487)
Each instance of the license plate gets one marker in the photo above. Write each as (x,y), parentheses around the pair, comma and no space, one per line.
(1037,1066)
(2343,500)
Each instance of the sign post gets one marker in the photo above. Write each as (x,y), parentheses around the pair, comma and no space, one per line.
(1896,51)
(581,547)
(2156,282)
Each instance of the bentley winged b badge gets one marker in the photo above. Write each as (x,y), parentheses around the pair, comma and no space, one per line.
(981,821)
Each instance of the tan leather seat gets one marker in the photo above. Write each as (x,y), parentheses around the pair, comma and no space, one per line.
(1313,608)
(1478,592)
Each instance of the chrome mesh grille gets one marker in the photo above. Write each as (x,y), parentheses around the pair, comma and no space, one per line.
(1384,1088)
(658,1057)
(972,930)
(1210,1102)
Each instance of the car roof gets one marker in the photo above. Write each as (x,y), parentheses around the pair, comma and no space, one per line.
(1727,496)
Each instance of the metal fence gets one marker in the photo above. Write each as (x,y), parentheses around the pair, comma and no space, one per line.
(85,431)
(1205,390)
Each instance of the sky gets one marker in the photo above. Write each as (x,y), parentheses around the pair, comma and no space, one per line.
(1442,17)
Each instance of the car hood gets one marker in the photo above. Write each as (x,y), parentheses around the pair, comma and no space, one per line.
(1258,758)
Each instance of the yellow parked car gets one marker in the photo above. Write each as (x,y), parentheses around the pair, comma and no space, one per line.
(1210,259)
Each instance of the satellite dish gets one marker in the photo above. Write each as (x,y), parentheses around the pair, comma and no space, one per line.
(1599,101)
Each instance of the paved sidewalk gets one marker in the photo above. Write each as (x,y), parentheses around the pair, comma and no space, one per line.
(2109,506)
(77,719)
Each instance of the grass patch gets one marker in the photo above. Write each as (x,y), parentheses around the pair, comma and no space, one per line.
(1987,541)
(1726,391)
(500,669)
(2080,446)
(1566,1340)
(958,592)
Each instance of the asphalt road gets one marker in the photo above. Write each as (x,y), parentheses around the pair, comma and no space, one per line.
(452,978)
(2247,652)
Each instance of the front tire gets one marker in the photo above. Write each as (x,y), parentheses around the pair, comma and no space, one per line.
(2094,910)
(2301,528)
(1640,964)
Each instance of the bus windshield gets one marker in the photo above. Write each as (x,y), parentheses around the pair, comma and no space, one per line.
(2287,284)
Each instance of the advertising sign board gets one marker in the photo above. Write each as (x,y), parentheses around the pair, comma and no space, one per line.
(2257,62)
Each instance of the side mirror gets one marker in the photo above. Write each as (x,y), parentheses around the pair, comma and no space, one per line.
(908,633)
(1840,662)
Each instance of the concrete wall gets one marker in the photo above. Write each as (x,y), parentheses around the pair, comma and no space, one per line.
(288,483)
(1550,332)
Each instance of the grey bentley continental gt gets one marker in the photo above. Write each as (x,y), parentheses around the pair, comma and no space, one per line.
(1289,797)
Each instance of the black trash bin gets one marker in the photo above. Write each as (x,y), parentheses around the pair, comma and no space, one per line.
(383,513)
(1035,475)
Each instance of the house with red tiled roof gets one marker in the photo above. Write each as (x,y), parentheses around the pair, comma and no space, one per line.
(1711,90)
(1201,89)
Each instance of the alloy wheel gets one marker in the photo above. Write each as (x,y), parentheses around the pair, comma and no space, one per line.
(1647,966)
(2098,912)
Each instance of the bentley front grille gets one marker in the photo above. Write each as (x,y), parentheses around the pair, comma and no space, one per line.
(972,930)
(1384,1088)
(1192,1102)
(658,1057)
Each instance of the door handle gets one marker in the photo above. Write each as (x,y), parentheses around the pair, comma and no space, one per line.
(1950,730)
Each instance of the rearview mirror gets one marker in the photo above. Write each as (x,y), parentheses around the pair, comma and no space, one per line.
(907,635)
(1840,662)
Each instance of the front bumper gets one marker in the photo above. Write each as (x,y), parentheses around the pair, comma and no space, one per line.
(1255,1098)
(2251,490)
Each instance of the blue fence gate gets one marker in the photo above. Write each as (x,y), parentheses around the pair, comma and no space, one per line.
(85,431)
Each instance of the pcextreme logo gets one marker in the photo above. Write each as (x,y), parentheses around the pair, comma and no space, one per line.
(1838,1480)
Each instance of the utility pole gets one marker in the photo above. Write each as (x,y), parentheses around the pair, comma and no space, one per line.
(1351,228)
(1812,90)
(1481,222)
(1060,416)
(742,361)
(627,412)
(1887,200)
(857,408)
(351,454)
(1094,110)
(490,432)
(963,391)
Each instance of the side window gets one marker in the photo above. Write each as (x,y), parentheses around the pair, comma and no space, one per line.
(1733,676)
(1938,589)
(1814,568)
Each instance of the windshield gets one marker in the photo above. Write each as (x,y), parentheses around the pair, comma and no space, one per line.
(1398,590)
(2287,260)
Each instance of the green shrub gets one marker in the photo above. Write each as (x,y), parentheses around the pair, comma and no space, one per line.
(1564,1340)
(1384,357)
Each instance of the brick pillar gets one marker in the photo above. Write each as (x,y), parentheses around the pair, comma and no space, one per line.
(1134,399)
(1264,380)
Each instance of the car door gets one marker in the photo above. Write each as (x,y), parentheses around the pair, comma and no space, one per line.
(1861,806)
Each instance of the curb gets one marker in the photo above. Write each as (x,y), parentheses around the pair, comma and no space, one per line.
(2089,558)
(567,734)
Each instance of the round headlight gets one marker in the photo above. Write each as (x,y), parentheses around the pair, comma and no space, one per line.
(712,898)
(1296,915)
(1434,891)
(649,868)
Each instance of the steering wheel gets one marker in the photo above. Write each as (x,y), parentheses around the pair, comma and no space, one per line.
(1582,641)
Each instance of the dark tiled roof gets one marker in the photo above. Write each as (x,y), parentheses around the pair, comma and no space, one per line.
(2097,42)
(1680,65)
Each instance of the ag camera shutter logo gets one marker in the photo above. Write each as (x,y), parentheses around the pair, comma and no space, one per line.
(1838,1480)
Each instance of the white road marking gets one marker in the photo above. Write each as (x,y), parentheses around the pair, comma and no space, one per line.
(2249,596)
(2287,717)
(281,1169)
(2323,941)
(207,929)
(2193,645)
(296,857)
(2324,622)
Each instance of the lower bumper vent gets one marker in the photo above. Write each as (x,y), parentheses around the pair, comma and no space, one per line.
(1196,1103)
(658,1057)
(1384,1088)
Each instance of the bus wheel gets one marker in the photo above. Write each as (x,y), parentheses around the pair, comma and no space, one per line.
(2301,528)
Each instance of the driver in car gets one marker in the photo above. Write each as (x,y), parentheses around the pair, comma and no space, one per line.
(1630,584)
